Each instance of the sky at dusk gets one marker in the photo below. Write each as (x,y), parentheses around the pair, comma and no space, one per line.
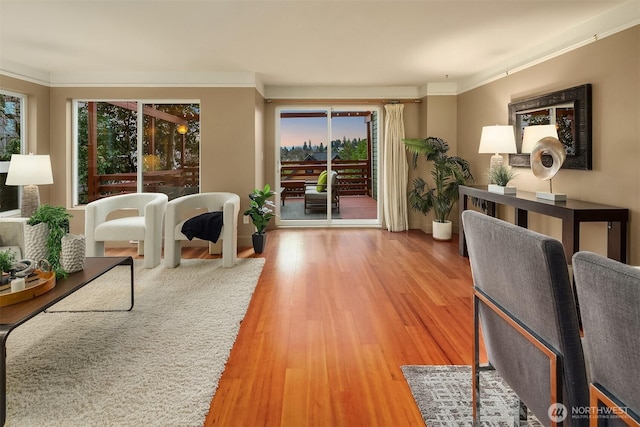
(295,131)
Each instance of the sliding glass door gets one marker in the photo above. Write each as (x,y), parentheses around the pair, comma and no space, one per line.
(327,166)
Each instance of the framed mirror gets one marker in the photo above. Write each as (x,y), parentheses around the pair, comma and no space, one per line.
(570,111)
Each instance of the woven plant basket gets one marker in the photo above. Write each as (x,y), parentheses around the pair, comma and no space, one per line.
(35,241)
(73,252)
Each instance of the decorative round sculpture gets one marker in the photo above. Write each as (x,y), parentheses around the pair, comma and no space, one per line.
(555,149)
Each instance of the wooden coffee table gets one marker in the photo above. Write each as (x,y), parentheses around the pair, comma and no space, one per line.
(15,315)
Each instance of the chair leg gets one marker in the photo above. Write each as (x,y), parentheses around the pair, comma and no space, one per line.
(172,253)
(95,249)
(521,415)
(475,369)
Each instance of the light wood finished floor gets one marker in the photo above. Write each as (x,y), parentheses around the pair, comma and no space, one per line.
(334,316)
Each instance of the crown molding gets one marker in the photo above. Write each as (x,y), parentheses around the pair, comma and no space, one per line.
(625,16)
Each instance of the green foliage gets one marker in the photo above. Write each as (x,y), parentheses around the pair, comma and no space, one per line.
(448,173)
(260,208)
(57,220)
(354,149)
(11,147)
(7,258)
(501,175)
(117,140)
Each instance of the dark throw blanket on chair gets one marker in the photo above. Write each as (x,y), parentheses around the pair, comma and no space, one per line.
(206,226)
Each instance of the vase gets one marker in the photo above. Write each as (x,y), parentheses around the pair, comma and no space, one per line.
(35,241)
(259,240)
(72,255)
(441,230)
(501,189)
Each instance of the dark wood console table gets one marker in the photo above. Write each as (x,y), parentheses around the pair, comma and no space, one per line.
(572,213)
(15,315)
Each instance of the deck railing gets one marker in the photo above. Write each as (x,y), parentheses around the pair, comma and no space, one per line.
(354,176)
(172,182)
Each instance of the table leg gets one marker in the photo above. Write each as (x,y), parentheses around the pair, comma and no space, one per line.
(128,261)
(3,377)
(462,243)
(617,241)
(570,237)
(522,218)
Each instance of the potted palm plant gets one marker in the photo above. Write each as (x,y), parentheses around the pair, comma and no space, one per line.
(260,210)
(448,173)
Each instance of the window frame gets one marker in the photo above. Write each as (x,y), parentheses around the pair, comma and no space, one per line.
(140,104)
(23,143)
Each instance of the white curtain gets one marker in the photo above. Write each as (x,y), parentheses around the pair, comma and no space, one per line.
(396,170)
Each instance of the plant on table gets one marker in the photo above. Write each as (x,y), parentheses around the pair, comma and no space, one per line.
(7,258)
(501,175)
(57,220)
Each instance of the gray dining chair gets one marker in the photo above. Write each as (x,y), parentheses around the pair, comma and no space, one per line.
(525,308)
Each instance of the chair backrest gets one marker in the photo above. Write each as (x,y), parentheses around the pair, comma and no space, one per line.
(609,297)
(526,274)
(334,184)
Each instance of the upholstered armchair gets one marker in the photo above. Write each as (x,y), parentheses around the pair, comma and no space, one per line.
(315,196)
(181,209)
(609,298)
(12,235)
(524,303)
(145,225)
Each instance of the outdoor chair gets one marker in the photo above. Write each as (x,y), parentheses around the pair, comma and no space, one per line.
(524,303)
(609,297)
(145,225)
(183,208)
(315,196)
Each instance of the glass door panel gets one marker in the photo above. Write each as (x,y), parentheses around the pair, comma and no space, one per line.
(304,149)
(344,143)
(170,149)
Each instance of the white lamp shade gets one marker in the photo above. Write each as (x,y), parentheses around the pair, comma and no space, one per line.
(533,134)
(497,139)
(29,169)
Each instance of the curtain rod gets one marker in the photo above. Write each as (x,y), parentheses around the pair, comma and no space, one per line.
(342,101)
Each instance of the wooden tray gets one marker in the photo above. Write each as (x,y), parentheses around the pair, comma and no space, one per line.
(45,283)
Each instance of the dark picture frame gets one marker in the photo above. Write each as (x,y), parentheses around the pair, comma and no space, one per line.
(573,111)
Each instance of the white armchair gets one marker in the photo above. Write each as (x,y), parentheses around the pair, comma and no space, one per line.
(145,226)
(183,208)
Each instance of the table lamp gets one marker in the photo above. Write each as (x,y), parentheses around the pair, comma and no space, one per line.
(497,139)
(29,170)
(539,140)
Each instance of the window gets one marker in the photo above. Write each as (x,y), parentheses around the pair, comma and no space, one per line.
(12,141)
(135,146)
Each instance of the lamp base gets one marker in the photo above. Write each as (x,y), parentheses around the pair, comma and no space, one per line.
(555,197)
(30,200)
(496,160)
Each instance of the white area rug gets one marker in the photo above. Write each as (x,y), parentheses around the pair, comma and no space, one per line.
(158,365)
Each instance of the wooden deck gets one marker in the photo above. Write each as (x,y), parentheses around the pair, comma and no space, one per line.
(351,207)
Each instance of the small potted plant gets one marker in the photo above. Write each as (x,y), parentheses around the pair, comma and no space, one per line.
(57,220)
(261,212)
(499,177)
(448,173)
(7,258)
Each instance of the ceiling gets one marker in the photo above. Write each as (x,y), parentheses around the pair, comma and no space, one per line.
(277,45)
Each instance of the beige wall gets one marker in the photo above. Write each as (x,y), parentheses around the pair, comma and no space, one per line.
(230,137)
(238,132)
(612,66)
(37,132)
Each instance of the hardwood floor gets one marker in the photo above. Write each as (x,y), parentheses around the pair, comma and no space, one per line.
(334,316)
